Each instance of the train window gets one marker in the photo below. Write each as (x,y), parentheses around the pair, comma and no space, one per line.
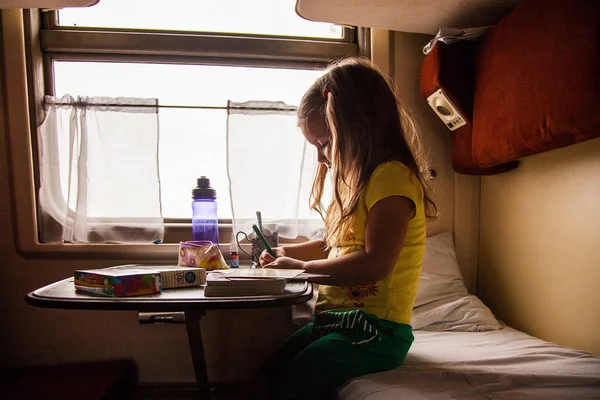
(193,57)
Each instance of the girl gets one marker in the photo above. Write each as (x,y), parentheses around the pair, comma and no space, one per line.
(374,235)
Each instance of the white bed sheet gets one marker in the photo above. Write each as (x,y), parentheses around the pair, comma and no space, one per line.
(503,364)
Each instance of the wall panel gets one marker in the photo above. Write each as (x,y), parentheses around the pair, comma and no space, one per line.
(539,267)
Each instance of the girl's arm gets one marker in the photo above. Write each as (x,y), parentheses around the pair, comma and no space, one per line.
(307,251)
(387,223)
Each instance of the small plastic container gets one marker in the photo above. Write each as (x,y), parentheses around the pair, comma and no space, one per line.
(234,255)
(205,224)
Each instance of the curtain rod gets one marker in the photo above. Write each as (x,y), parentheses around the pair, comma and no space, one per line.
(80,104)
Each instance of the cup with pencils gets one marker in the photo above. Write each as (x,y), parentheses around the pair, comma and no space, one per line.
(264,236)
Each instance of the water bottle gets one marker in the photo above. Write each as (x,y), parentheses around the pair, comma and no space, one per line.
(205,224)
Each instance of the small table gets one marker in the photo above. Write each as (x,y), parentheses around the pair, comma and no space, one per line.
(191,301)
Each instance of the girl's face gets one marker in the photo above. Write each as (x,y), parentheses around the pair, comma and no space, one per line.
(315,131)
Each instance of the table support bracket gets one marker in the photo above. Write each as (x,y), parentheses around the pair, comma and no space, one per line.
(192,323)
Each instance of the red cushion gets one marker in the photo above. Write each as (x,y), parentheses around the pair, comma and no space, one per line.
(451,68)
(537,81)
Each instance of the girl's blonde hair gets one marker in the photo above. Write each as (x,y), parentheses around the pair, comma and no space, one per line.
(367,126)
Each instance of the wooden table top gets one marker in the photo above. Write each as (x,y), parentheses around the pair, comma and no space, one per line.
(62,294)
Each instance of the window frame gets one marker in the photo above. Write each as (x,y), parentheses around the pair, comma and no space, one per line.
(45,41)
(50,22)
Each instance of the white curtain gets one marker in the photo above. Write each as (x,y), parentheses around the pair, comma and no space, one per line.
(99,178)
(270,168)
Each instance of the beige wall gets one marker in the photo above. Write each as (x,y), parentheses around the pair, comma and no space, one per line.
(457,196)
(539,267)
(407,59)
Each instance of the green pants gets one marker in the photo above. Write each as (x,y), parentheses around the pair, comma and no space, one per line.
(320,357)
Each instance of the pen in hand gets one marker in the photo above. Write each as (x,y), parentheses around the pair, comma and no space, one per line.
(262,239)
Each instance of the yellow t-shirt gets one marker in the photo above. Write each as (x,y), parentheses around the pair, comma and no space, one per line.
(393,297)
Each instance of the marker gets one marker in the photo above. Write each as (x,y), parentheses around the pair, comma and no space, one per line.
(259,219)
(262,239)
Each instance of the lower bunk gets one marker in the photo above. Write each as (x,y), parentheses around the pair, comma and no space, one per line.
(499,364)
(462,352)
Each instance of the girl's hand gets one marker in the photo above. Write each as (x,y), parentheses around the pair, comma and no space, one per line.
(286,263)
(266,258)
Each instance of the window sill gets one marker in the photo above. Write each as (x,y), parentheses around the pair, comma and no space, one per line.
(167,252)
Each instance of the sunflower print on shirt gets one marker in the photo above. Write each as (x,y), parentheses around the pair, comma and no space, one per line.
(357,293)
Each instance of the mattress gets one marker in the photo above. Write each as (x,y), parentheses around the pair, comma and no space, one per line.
(502,364)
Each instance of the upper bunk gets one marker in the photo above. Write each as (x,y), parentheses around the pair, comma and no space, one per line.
(527,85)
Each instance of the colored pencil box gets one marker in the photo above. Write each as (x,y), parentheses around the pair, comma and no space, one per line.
(118,283)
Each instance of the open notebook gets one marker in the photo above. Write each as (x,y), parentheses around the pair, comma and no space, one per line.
(252,281)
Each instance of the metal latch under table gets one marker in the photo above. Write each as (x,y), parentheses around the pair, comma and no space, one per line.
(161,317)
